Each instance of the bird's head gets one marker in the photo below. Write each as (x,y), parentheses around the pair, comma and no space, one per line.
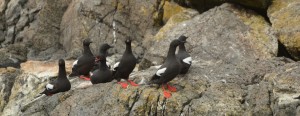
(86,42)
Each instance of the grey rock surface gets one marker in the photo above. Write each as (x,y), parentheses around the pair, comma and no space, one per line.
(284,16)
(235,70)
(228,32)
(7,79)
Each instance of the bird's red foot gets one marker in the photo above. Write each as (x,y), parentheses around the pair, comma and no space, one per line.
(85,78)
(132,83)
(97,59)
(167,94)
(171,88)
(123,84)
(49,94)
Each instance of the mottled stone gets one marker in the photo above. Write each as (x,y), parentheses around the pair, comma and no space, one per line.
(228,32)
(285,16)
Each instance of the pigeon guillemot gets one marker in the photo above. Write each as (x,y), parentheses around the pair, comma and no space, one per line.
(84,64)
(61,83)
(184,56)
(103,74)
(169,70)
(122,69)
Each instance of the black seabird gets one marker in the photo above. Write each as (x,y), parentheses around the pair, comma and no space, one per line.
(103,74)
(169,70)
(122,69)
(60,84)
(84,64)
(184,56)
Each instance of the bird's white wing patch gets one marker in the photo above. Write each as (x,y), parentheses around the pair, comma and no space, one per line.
(49,86)
(161,71)
(116,66)
(74,63)
(108,64)
(187,60)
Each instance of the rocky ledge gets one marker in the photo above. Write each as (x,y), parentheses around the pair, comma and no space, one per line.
(235,68)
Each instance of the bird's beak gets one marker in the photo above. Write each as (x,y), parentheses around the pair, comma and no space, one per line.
(111,46)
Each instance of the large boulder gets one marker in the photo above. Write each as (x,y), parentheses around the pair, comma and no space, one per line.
(23,85)
(107,22)
(230,79)
(170,9)
(228,32)
(285,16)
(7,79)
(248,87)
(32,22)
(286,89)
(3,4)
(44,33)
(13,55)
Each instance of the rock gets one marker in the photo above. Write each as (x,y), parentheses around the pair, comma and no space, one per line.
(27,85)
(172,22)
(258,99)
(45,30)
(237,32)
(23,21)
(286,89)
(3,4)
(2,36)
(107,21)
(12,13)
(9,38)
(284,17)
(170,9)
(44,69)
(203,5)
(7,78)
(234,70)
(208,89)
(13,55)
(25,88)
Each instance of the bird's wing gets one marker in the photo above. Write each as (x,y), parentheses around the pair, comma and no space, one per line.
(116,65)
(49,86)
(159,72)
(167,75)
(75,63)
(187,60)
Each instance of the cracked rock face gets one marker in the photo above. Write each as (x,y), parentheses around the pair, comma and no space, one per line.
(285,16)
(231,74)
(248,87)
(234,70)
(109,21)
(227,32)
(7,78)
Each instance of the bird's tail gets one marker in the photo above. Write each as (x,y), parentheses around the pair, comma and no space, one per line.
(44,92)
(73,74)
(143,81)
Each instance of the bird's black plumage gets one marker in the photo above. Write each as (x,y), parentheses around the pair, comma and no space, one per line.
(184,56)
(84,64)
(61,83)
(171,67)
(103,74)
(126,64)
